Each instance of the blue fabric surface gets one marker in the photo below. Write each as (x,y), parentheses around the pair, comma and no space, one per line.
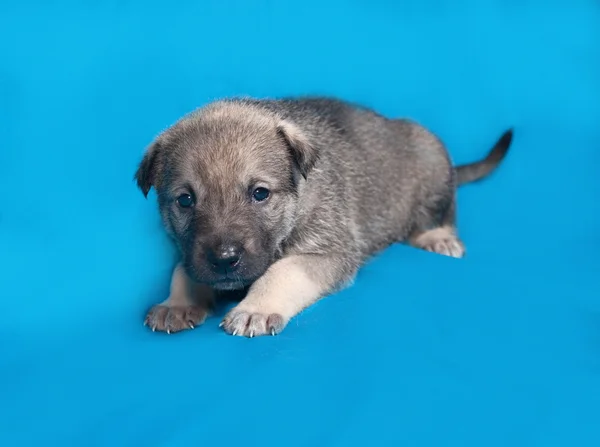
(501,348)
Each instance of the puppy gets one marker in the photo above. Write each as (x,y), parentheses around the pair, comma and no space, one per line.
(288,198)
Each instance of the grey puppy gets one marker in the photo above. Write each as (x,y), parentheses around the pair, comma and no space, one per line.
(288,198)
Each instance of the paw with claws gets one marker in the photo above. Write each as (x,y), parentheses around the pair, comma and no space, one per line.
(450,246)
(174,319)
(442,241)
(252,324)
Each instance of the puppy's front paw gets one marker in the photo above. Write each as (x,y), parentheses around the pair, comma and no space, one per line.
(174,319)
(252,324)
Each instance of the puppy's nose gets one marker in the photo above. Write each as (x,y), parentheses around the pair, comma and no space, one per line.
(226,257)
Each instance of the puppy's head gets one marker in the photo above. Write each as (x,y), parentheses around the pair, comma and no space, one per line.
(227,181)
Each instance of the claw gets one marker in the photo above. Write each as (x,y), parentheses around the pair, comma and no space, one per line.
(191,326)
(145,323)
(153,328)
(222,323)
(251,334)
(273,332)
(234,332)
(168,331)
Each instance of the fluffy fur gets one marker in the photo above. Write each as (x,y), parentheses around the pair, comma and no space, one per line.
(344,181)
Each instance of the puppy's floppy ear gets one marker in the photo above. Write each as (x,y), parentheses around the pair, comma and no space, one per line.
(147,172)
(303,152)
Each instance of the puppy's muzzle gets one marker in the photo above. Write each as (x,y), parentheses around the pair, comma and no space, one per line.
(225,258)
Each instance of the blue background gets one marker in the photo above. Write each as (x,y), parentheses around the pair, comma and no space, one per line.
(501,348)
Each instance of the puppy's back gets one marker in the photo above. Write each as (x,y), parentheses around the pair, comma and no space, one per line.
(377,176)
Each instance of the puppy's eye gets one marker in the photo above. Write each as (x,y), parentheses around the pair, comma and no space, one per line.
(260,194)
(185,200)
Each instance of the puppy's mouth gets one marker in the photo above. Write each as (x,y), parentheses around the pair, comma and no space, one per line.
(228,280)
(230,284)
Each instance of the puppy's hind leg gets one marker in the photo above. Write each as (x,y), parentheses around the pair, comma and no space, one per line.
(286,288)
(441,238)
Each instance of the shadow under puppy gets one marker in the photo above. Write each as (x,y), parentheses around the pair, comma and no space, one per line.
(289,198)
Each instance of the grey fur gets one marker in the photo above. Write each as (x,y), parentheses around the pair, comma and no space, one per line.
(346,183)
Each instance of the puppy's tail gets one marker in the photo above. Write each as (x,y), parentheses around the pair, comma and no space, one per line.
(476,171)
